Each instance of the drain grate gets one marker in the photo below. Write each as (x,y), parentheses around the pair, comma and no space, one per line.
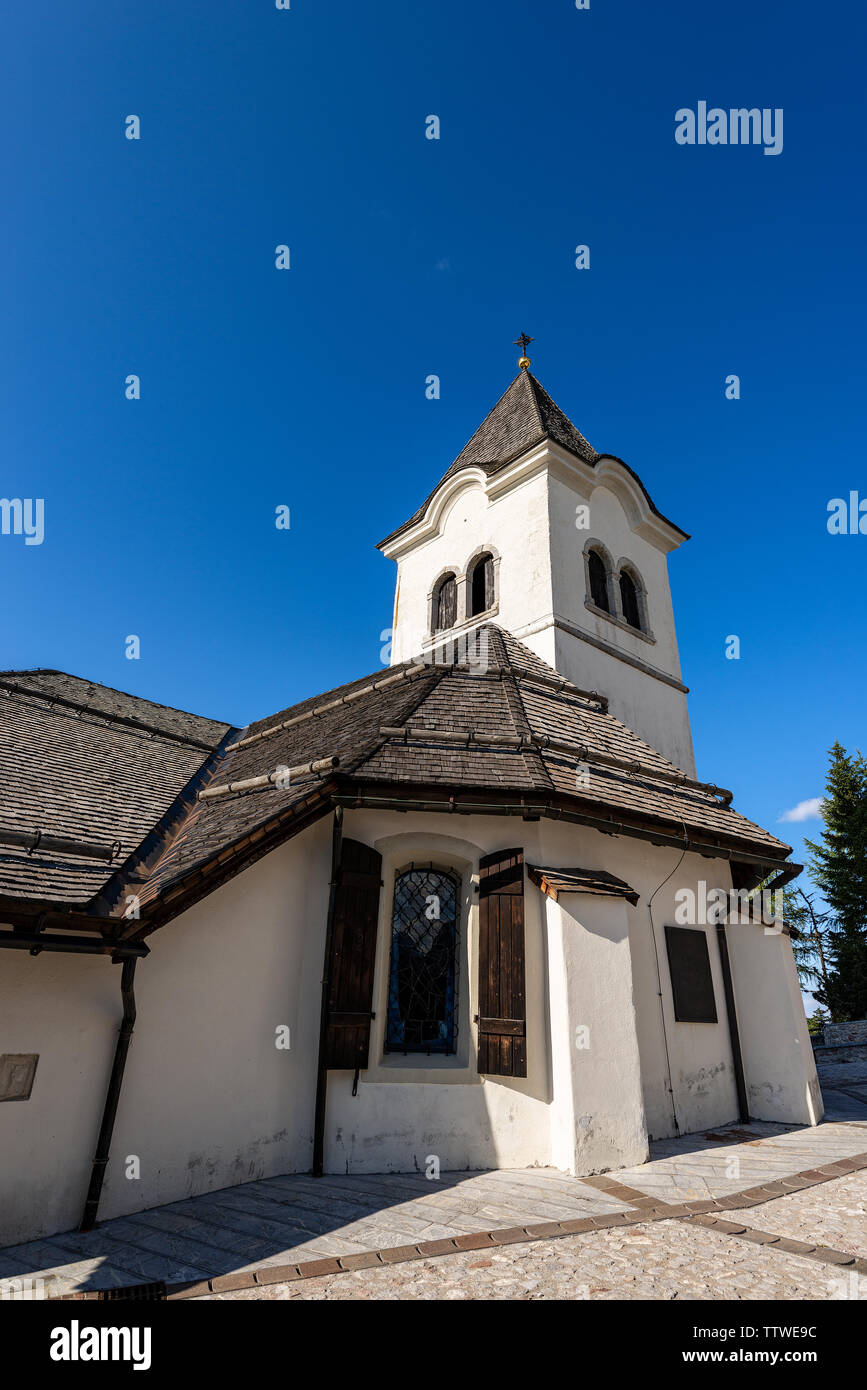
(148,1292)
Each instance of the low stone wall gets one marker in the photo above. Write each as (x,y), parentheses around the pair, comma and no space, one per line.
(837,1034)
(848,1052)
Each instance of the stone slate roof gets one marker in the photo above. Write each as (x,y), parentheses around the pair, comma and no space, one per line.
(86,774)
(81,760)
(523,416)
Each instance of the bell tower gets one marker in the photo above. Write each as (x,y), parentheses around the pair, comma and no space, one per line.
(532,529)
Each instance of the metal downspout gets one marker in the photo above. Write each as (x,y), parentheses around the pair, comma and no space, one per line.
(322,1067)
(103,1145)
(731,1014)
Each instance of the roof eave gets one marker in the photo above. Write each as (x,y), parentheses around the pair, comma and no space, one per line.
(646,519)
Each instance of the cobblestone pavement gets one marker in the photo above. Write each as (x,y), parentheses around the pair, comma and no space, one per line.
(668,1260)
(834,1215)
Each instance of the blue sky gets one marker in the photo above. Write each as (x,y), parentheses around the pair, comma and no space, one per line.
(409,257)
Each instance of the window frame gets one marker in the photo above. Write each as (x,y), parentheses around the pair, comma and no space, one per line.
(595,547)
(614,612)
(476,563)
(625,577)
(450,1047)
(450,577)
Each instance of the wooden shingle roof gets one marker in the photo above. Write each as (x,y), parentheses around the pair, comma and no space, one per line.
(496,730)
(89,763)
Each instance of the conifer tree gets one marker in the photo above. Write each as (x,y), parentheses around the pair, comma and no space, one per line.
(839,867)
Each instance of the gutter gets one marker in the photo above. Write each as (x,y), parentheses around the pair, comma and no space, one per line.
(36,942)
(533,810)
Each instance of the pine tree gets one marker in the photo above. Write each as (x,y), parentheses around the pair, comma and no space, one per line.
(811,941)
(839,867)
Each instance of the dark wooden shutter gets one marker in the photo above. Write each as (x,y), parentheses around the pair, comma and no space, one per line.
(691,978)
(353,955)
(489,583)
(598,580)
(502,1010)
(629,600)
(447,604)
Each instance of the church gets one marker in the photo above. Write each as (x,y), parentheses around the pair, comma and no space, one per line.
(427,921)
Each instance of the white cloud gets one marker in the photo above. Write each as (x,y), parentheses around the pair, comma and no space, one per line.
(805,810)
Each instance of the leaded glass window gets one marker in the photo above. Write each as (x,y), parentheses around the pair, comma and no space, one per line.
(422,986)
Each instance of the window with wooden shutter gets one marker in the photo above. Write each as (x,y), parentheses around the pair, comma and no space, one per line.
(629,600)
(502,1009)
(446,604)
(353,952)
(691,977)
(489,582)
(482,585)
(598,581)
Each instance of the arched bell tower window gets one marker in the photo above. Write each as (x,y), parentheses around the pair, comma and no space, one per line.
(629,600)
(632,599)
(482,585)
(445,605)
(597,574)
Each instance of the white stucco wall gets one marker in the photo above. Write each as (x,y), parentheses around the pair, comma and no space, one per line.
(598,1116)
(779,1062)
(696,1057)
(529,525)
(646,702)
(209,1100)
(514,525)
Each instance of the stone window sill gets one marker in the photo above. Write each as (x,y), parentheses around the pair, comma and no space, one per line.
(465,624)
(420,1068)
(618,621)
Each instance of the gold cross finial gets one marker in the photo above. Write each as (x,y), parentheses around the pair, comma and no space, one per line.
(523,342)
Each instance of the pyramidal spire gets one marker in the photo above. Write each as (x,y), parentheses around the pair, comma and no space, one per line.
(524,415)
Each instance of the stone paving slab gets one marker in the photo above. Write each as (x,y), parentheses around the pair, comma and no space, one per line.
(699,1166)
(278,1221)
